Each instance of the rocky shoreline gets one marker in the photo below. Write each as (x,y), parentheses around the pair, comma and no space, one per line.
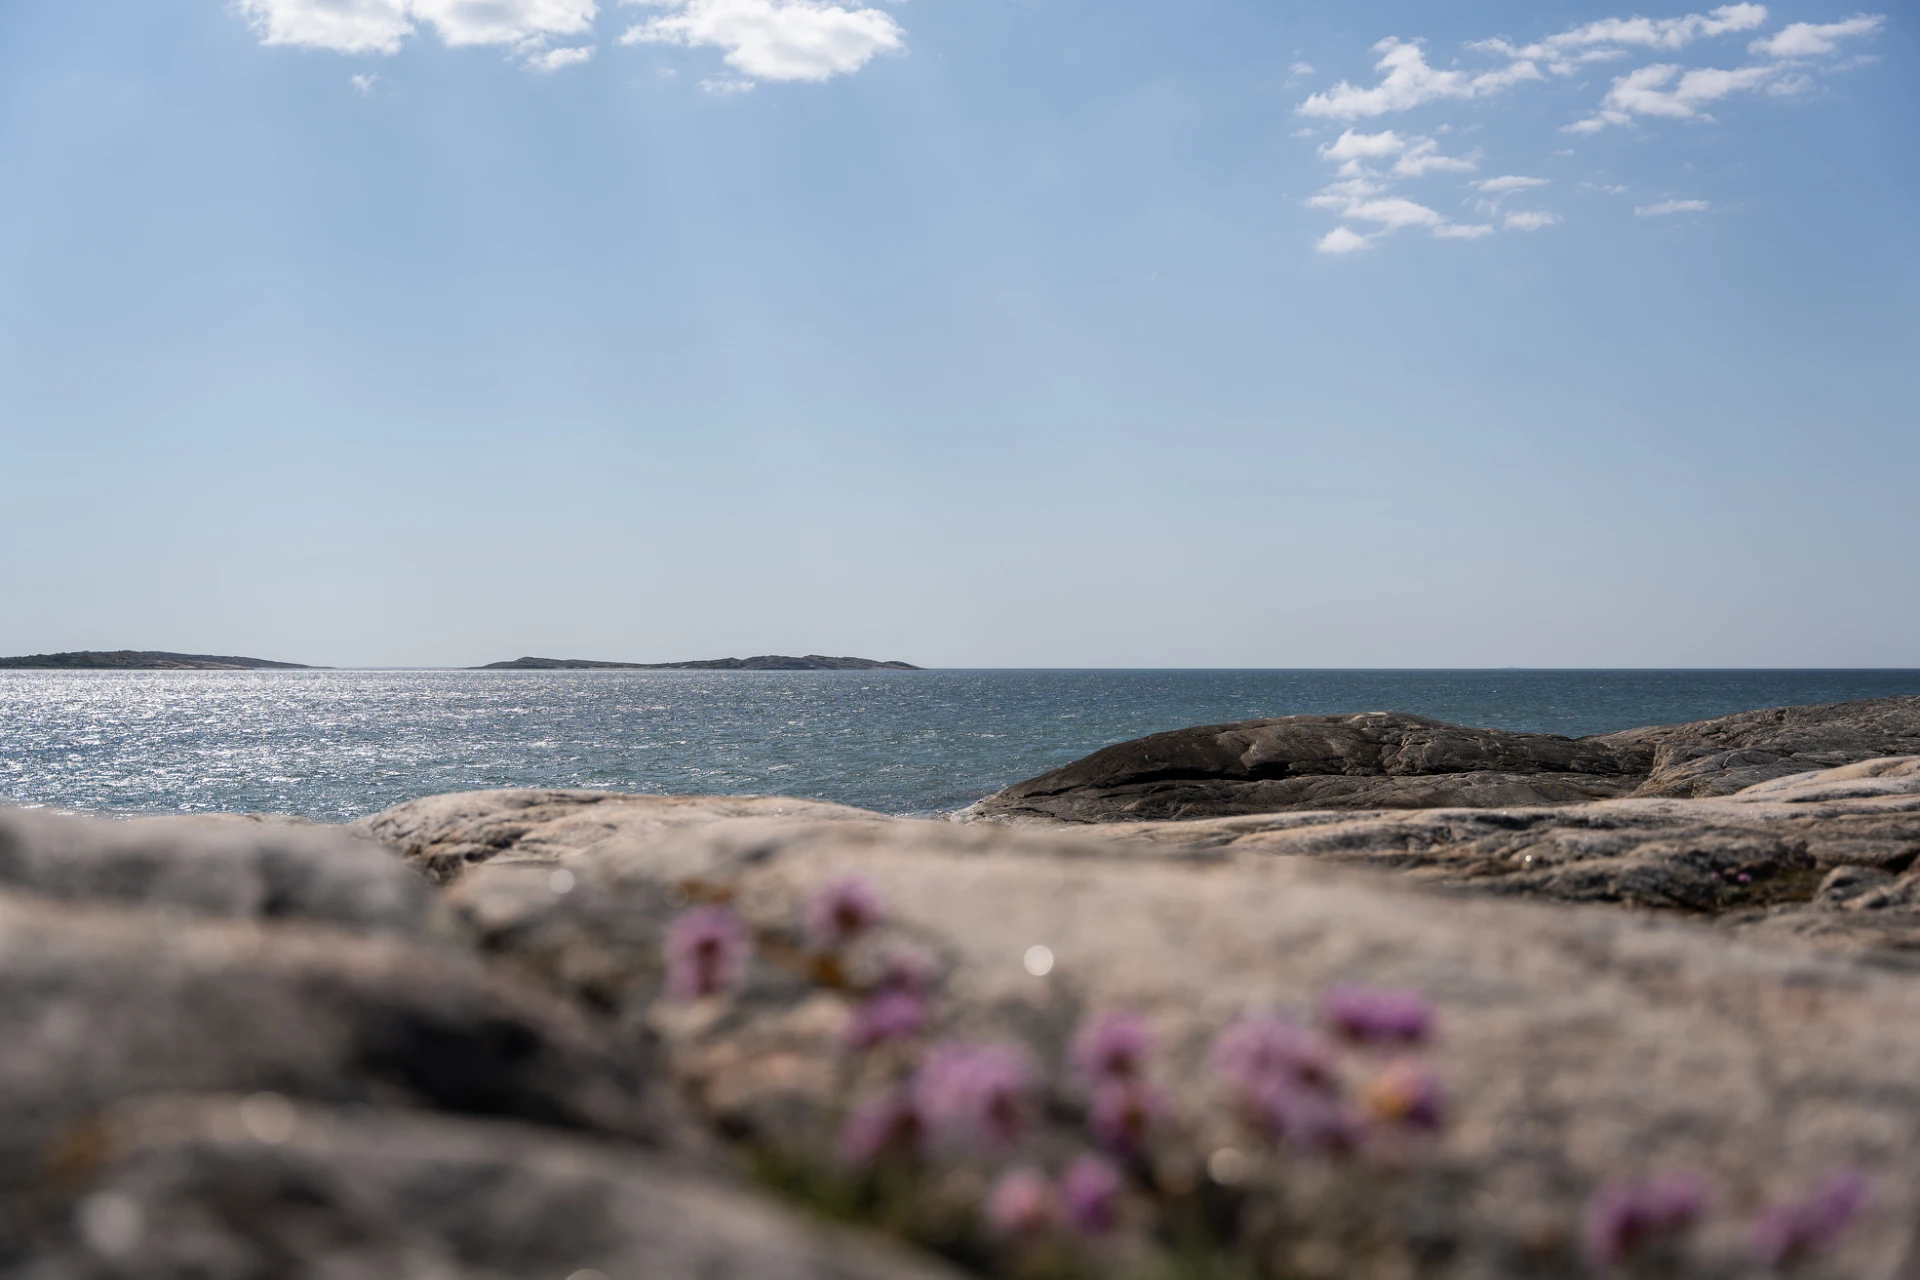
(533,1033)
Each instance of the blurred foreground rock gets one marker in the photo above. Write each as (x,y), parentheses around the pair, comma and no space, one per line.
(1579,1043)
(1389,760)
(261,1049)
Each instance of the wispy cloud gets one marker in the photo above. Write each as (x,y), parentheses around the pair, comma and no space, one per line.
(1666,207)
(364,84)
(1372,166)
(1342,240)
(1509,183)
(380,26)
(1813,40)
(554,59)
(1530,220)
(1407,82)
(774,39)
(1612,38)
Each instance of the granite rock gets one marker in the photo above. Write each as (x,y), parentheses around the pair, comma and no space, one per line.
(1389,760)
(244,868)
(1578,1043)
(243,1188)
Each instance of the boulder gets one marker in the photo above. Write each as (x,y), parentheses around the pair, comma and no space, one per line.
(1770,844)
(239,868)
(1577,1044)
(444,835)
(102,1004)
(226,1188)
(1389,760)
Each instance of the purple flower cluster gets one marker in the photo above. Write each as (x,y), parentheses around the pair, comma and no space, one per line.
(1627,1218)
(1264,1050)
(842,911)
(1024,1204)
(1090,1195)
(887,1016)
(1113,1046)
(977,1095)
(1378,1015)
(887,1128)
(706,952)
(1794,1230)
(1109,1057)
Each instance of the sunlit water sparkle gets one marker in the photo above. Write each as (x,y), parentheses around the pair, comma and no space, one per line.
(333,745)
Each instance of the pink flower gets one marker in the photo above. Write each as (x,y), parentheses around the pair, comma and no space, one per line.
(1795,1230)
(1625,1219)
(1258,1051)
(1090,1195)
(1113,1046)
(1404,1093)
(1122,1113)
(907,969)
(889,1127)
(1378,1015)
(1310,1119)
(843,911)
(977,1094)
(1021,1205)
(887,1015)
(706,952)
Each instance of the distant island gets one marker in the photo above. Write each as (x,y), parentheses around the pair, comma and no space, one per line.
(146,660)
(766,662)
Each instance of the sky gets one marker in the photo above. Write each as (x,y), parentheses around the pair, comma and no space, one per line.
(964,332)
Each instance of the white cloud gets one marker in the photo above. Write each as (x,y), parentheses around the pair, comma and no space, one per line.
(1644,92)
(1417,156)
(775,39)
(1530,221)
(1407,81)
(1611,38)
(348,26)
(1464,231)
(1666,207)
(1300,69)
(554,59)
(1511,182)
(1363,146)
(1815,40)
(364,84)
(470,22)
(726,88)
(1423,157)
(1342,240)
(379,26)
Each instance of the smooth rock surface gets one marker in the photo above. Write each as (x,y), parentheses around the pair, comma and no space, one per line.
(445,835)
(102,1004)
(249,1188)
(225,866)
(1578,1043)
(1770,844)
(1389,760)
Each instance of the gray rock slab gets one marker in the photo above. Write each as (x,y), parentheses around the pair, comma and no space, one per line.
(244,1188)
(1578,1043)
(1389,760)
(233,867)
(102,1004)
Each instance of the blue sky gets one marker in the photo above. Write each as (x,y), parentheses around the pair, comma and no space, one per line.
(970,332)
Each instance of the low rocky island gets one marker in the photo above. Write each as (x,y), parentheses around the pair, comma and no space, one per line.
(765,662)
(542,1033)
(144,660)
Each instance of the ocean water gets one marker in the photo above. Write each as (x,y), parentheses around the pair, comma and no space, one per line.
(334,745)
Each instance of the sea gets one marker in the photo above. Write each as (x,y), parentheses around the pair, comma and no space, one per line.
(334,745)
